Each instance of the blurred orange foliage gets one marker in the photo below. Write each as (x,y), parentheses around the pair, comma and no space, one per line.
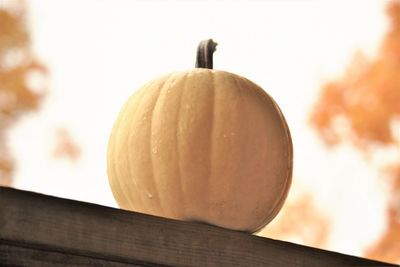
(66,147)
(17,67)
(300,221)
(363,107)
(364,103)
(388,247)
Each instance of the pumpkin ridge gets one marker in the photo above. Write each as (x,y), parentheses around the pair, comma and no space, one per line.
(211,138)
(111,166)
(112,169)
(116,156)
(288,141)
(270,214)
(246,122)
(144,89)
(182,193)
(129,149)
(156,196)
(288,180)
(130,201)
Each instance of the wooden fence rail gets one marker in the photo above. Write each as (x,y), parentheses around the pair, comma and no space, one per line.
(41,230)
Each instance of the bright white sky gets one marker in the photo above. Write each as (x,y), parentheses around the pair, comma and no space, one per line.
(100,52)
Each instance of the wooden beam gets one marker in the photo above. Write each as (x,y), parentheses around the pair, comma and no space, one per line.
(40,230)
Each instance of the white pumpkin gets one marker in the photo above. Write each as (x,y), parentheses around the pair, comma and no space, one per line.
(202,145)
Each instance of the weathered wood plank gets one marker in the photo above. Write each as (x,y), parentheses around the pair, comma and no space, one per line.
(12,255)
(31,221)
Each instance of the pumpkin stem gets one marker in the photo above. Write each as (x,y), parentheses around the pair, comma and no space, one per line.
(205,52)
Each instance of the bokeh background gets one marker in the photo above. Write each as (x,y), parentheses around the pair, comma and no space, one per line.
(66,68)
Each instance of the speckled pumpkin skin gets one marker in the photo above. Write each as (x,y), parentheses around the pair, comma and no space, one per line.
(201,145)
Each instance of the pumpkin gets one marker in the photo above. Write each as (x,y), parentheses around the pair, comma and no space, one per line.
(201,145)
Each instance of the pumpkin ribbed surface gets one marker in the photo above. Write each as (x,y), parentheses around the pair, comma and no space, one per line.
(202,145)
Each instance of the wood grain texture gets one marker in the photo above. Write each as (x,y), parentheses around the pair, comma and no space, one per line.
(40,230)
(14,255)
